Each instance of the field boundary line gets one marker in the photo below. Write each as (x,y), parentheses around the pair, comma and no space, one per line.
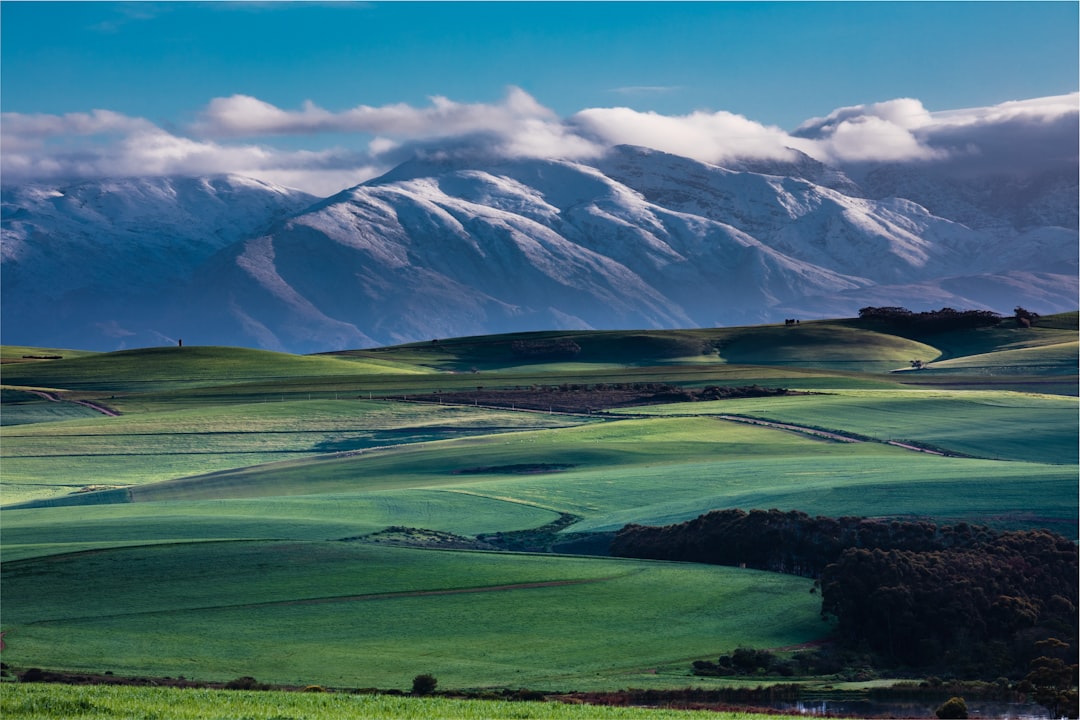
(834,435)
(840,436)
(336,599)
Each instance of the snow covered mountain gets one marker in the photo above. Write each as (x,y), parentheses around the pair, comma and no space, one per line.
(95,263)
(445,247)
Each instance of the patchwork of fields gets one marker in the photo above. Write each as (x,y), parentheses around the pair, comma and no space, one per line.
(216,512)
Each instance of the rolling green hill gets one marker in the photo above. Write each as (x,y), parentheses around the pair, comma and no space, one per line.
(811,344)
(244,494)
(175,367)
(356,615)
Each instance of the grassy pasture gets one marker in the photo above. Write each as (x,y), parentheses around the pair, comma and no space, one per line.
(43,460)
(229,560)
(1050,330)
(18,354)
(813,344)
(610,446)
(991,424)
(173,367)
(60,702)
(1051,359)
(50,531)
(358,615)
(660,470)
(24,408)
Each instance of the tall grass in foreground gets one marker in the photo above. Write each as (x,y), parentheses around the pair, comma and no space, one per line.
(98,702)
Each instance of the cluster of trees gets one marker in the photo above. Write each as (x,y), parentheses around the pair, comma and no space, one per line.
(790,542)
(980,609)
(943,320)
(965,597)
(748,661)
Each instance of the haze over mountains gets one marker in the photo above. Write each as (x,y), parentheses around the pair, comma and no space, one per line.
(451,244)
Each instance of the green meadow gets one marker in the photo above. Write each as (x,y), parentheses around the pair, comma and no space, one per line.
(996,424)
(217,512)
(149,447)
(358,615)
(59,702)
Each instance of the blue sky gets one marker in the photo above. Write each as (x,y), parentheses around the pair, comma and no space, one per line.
(776,64)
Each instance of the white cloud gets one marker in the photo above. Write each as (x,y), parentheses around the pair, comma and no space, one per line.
(244,116)
(903,112)
(106,144)
(871,138)
(710,137)
(1043,109)
(1010,136)
(236,135)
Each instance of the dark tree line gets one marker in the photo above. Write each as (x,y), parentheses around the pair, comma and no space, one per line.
(790,542)
(916,594)
(943,320)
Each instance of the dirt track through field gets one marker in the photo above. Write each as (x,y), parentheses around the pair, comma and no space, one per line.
(53,397)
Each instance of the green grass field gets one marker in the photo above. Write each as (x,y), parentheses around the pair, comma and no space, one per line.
(46,459)
(361,615)
(218,527)
(1002,425)
(61,702)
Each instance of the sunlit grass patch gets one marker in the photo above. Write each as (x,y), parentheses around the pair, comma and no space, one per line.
(60,702)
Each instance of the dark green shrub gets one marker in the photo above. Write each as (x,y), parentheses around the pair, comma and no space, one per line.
(954,707)
(424,684)
(748,660)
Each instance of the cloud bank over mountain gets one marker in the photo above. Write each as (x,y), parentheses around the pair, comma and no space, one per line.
(245,135)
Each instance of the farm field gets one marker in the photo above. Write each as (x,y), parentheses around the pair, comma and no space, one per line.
(357,615)
(53,702)
(215,512)
(981,423)
(140,448)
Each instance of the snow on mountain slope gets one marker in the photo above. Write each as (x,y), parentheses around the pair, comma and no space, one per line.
(517,245)
(74,256)
(459,246)
(96,233)
(879,240)
(983,202)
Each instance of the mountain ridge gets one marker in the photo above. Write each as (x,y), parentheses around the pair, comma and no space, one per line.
(456,245)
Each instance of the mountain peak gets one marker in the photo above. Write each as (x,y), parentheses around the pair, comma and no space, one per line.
(455,243)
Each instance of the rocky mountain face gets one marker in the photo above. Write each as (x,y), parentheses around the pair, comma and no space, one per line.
(440,248)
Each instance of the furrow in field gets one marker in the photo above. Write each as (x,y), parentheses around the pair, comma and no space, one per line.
(342,599)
